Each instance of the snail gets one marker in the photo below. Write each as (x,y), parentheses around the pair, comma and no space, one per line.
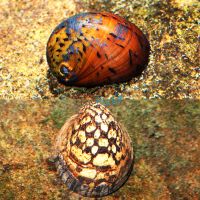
(94,155)
(96,48)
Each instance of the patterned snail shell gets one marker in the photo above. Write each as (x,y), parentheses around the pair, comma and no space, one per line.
(92,49)
(94,156)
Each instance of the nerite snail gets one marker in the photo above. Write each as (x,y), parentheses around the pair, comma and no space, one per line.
(96,48)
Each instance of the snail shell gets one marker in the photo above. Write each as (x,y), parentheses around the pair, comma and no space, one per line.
(94,154)
(91,49)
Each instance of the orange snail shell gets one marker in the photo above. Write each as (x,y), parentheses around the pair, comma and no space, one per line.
(94,154)
(97,48)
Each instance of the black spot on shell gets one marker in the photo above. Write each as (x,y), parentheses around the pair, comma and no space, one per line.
(104,15)
(78,169)
(112,34)
(135,54)
(96,143)
(106,56)
(104,134)
(117,148)
(140,39)
(90,135)
(130,56)
(114,17)
(98,55)
(68,34)
(87,149)
(102,150)
(103,168)
(112,70)
(78,142)
(57,39)
(115,36)
(65,39)
(61,44)
(84,48)
(59,50)
(81,54)
(117,162)
(112,141)
(123,157)
(112,178)
(119,45)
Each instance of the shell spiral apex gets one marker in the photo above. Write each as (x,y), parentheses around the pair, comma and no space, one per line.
(96,48)
(94,154)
